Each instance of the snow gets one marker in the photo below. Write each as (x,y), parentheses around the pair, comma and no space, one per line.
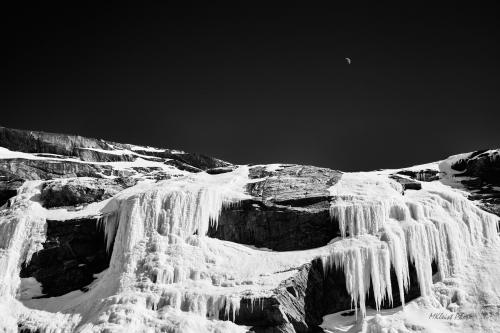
(274,167)
(412,318)
(30,288)
(7,154)
(150,149)
(165,274)
(139,162)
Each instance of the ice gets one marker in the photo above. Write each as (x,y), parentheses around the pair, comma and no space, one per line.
(382,227)
(166,275)
(22,232)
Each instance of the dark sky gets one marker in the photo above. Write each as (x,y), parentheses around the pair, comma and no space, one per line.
(261,84)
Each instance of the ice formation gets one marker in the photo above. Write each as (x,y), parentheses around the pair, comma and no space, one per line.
(166,275)
(382,227)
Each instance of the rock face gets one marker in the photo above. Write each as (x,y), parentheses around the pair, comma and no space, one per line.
(8,187)
(484,165)
(294,185)
(479,172)
(51,169)
(73,252)
(426,175)
(408,184)
(96,150)
(276,227)
(290,210)
(301,301)
(78,191)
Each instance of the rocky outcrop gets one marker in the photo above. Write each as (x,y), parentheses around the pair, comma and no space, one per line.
(294,185)
(484,165)
(8,187)
(425,175)
(276,227)
(289,210)
(479,172)
(51,143)
(300,302)
(52,169)
(97,150)
(408,183)
(77,191)
(73,252)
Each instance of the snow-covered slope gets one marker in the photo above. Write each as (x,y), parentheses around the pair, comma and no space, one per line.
(201,245)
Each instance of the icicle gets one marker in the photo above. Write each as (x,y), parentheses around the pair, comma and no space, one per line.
(152,229)
(363,260)
(109,223)
(22,232)
(385,228)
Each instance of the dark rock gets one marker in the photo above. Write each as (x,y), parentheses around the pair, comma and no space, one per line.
(73,252)
(300,302)
(86,154)
(199,161)
(51,143)
(8,187)
(262,171)
(295,182)
(277,227)
(461,164)
(80,191)
(426,175)
(97,150)
(51,169)
(408,184)
(216,171)
(290,210)
(183,166)
(481,172)
(485,165)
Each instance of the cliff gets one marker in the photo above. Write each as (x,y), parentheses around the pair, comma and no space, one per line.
(98,236)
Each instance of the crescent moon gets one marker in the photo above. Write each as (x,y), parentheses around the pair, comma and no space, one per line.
(348,60)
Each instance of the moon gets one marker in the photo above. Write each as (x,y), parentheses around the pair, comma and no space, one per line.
(348,60)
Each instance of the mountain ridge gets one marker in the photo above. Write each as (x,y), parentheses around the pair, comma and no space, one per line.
(81,200)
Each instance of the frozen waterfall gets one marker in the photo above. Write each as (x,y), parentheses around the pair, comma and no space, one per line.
(381,227)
